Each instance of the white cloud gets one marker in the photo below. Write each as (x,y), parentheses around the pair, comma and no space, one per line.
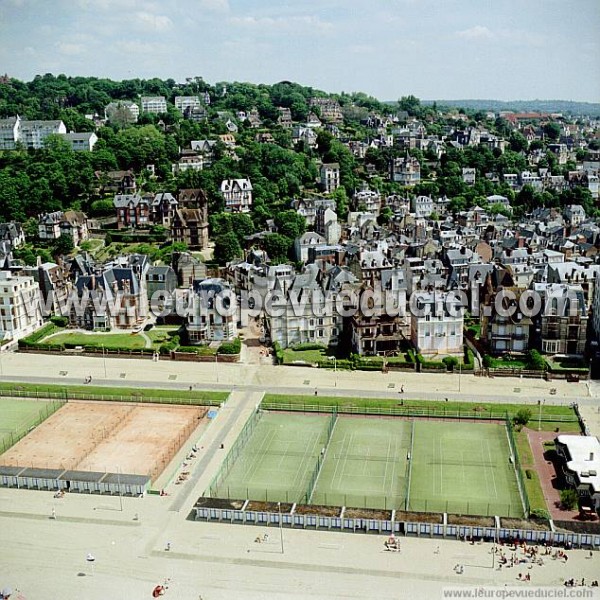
(215,5)
(118,5)
(522,37)
(293,22)
(149,49)
(478,32)
(134,47)
(151,22)
(69,49)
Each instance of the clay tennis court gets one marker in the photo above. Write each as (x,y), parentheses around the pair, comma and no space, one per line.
(129,438)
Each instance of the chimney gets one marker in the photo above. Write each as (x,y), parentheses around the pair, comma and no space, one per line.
(591,456)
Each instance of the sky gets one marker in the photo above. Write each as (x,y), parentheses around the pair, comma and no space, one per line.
(434,49)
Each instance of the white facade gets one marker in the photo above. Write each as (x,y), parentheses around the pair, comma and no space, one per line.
(296,323)
(31,134)
(370,199)
(207,322)
(9,132)
(237,194)
(469,175)
(82,142)
(405,171)
(154,104)
(330,177)
(436,331)
(190,163)
(34,133)
(422,206)
(306,241)
(20,310)
(129,111)
(575,214)
(184,102)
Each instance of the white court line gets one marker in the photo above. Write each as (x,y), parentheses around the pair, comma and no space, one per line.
(488,488)
(492,469)
(337,463)
(384,483)
(441,462)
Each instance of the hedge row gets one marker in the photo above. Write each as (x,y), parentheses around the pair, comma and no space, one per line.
(202,350)
(342,363)
(59,320)
(36,336)
(170,346)
(278,353)
(234,347)
(307,346)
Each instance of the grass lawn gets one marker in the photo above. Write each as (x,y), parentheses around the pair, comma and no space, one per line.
(114,249)
(567,364)
(160,335)
(108,340)
(90,392)
(462,468)
(552,416)
(18,415)
(532,483)
(94,245)
(500,363)
(308,356)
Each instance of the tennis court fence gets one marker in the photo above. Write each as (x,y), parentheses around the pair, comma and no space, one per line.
(406,411)
(9,437)
(256,494)
(312,483)
(67,394)
(459,507)
(409,464)
(235,452)
(517,465)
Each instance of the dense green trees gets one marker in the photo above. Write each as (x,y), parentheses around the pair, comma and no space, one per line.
(227,247)
(58,178)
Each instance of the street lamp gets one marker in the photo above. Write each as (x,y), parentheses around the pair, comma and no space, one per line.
(120,490)
(459,372)
(334,359)
(217,366)
(104,361)
(540,413)
(280,526)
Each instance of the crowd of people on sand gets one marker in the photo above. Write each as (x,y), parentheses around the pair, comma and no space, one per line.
(573,582)
(521,554)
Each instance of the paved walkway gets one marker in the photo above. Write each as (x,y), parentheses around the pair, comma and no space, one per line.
(548,475)
(591,417)
(222,561)
(236,411)
(290,380)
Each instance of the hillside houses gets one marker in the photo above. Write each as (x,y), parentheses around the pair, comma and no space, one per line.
(332,198)
(237,194)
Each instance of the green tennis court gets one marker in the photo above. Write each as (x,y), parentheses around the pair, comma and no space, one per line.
(365,464)
(372,462)
(278,460)
(17,416)
(463,468)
